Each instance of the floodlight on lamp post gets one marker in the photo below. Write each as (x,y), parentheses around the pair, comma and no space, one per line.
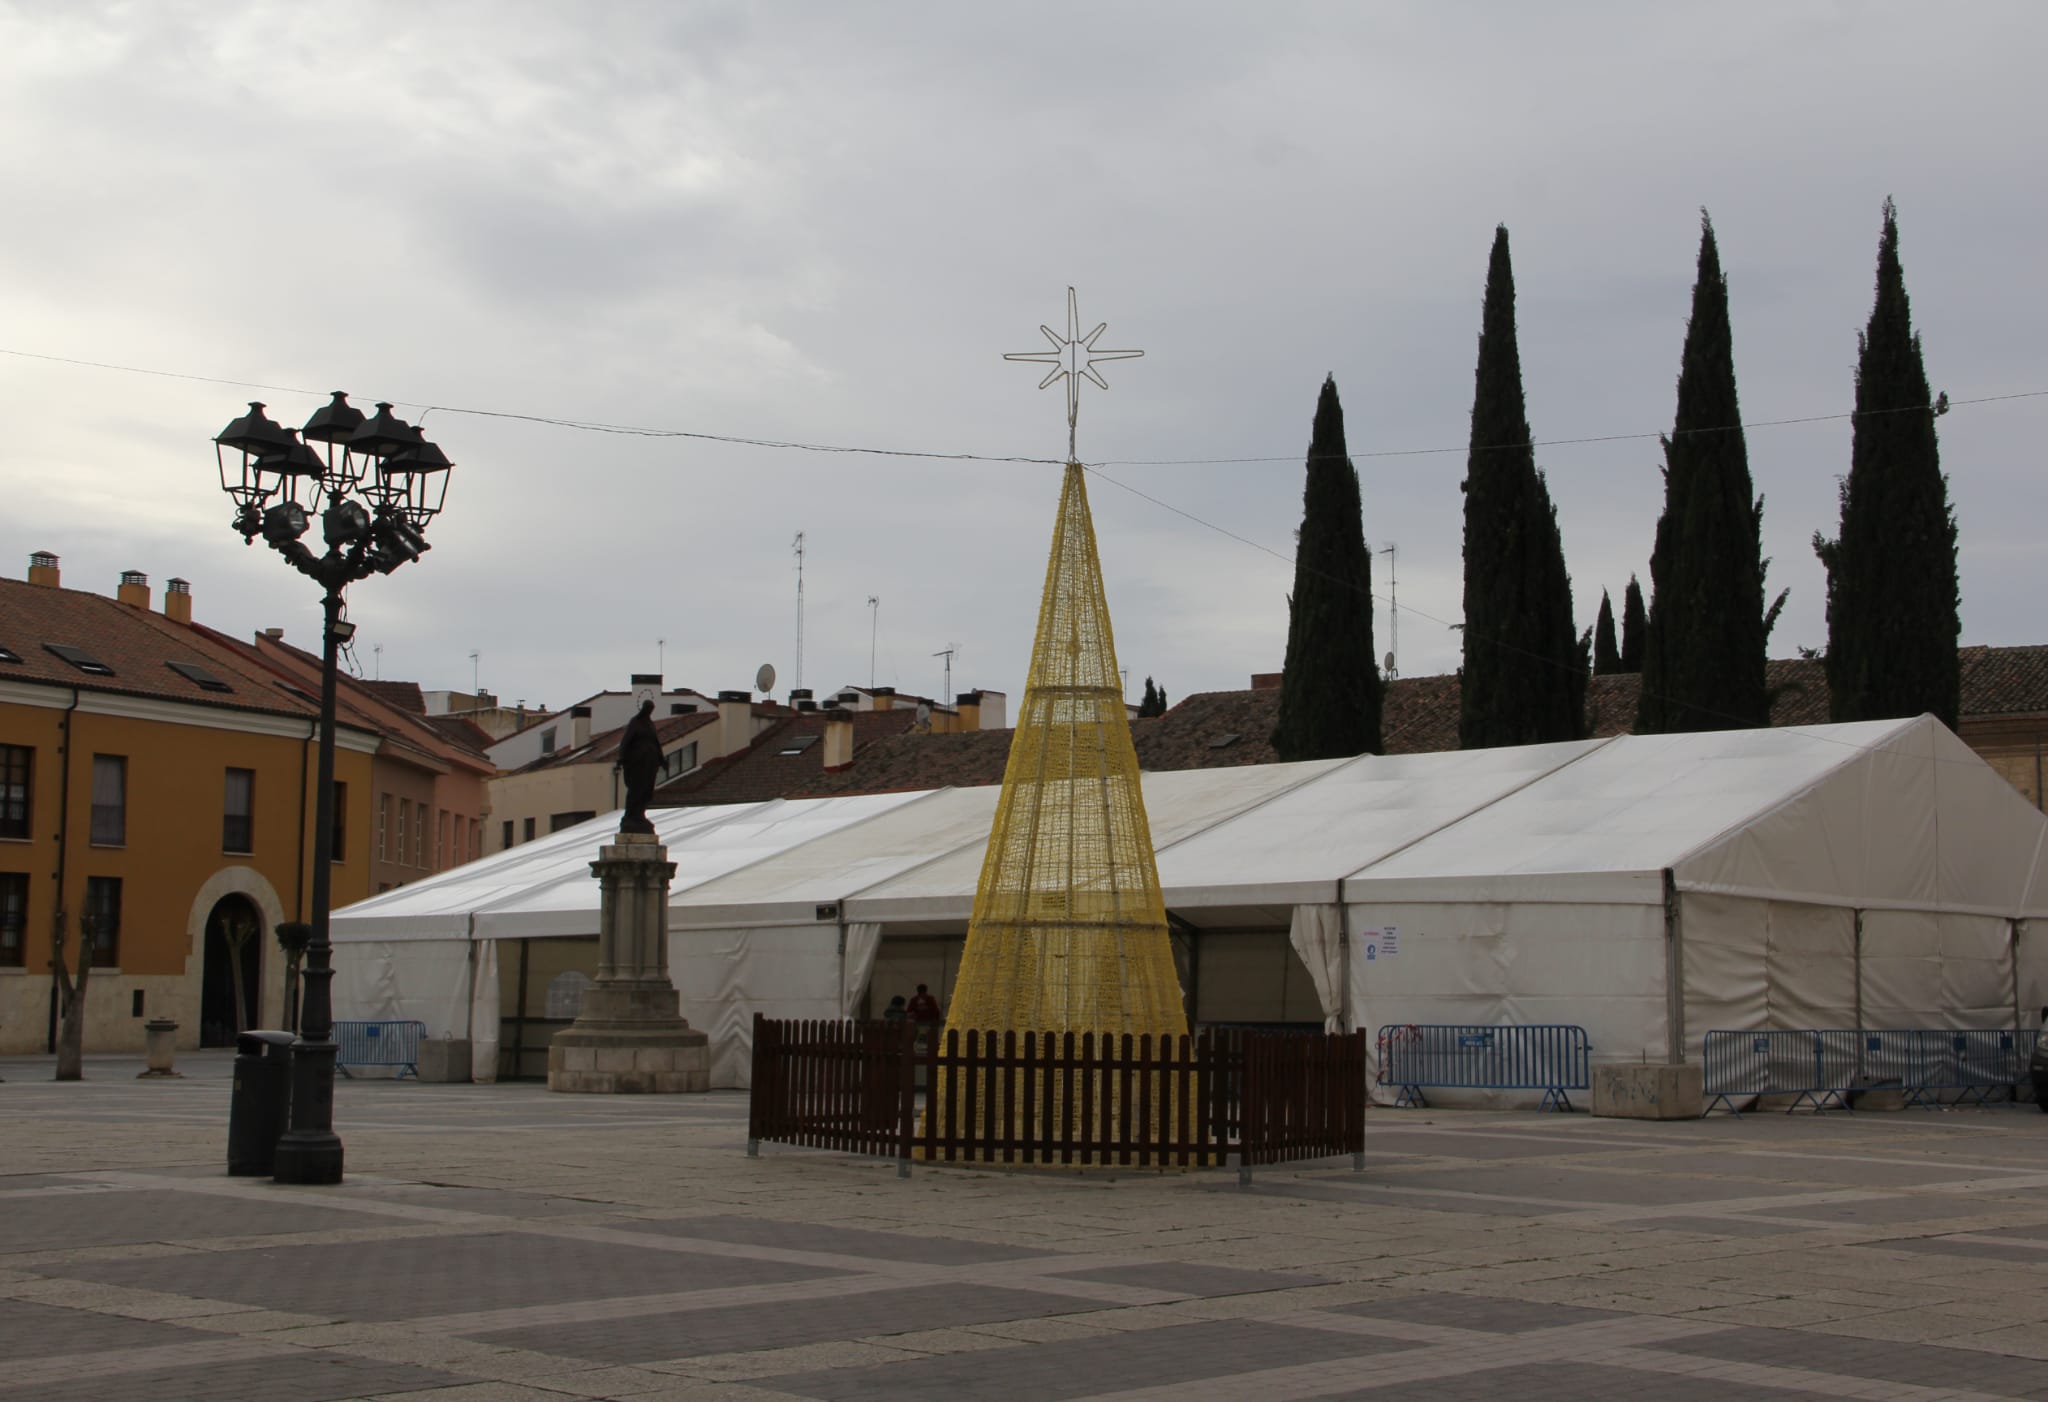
(373,484)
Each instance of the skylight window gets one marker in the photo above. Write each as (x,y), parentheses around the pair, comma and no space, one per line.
(80,658)
(198,676)
(798,745)
(8,654)
(1224,742)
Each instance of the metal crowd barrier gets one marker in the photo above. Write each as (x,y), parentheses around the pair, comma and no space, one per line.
(1826,1067)
(1554,1058)
(378,1044)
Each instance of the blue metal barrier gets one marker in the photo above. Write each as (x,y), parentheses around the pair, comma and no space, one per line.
(1826,1067)
(378,1044)
(1554,1058)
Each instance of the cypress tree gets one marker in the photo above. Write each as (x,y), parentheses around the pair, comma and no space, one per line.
(1634,623)
(1606,656)
(1524,678)
(1154,703)
(1893,603)
(1330,684)
(1703,651)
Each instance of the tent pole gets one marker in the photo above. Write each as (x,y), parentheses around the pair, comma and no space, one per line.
(1674,974)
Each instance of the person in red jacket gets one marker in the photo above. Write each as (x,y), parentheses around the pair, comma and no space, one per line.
(924,1009)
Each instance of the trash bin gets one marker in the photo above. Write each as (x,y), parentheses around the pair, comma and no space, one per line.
(258,1111)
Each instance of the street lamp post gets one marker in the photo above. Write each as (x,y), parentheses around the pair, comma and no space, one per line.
(373,484)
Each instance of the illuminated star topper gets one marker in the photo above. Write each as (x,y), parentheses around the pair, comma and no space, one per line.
(1073,356)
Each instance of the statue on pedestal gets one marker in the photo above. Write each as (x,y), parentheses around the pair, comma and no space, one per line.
(640,762)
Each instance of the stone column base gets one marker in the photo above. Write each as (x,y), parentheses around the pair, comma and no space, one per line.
(661,1059)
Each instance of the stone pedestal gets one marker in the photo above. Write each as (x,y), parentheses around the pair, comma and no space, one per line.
(630,1037)
(1649,1091)
(160,1045)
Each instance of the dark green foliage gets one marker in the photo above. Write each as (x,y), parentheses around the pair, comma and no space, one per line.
(1330,685)
(1634,623)
(1606,656)
(1154,703)
(1524,678)
(1703,651)
(1893,602)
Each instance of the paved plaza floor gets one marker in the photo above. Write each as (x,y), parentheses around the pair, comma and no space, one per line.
(500,1244)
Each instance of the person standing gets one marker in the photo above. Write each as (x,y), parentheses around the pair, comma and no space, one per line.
(924,1009)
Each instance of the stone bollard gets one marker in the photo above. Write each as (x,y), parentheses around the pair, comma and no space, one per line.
(161,1043)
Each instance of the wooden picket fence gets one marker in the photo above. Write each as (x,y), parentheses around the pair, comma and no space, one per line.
(1058,1099)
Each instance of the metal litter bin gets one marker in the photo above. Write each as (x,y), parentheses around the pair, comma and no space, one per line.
(260,1107)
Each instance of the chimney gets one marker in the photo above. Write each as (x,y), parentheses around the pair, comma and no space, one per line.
(994,706)
(42,569)
(134,589)
(178,600)
(1265,681)
(885,697)
(735,721)
(579,726)
(838,738)
(968,705)
(275,635)
(799,695)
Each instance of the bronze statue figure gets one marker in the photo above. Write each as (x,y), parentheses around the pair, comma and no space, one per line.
(640,761)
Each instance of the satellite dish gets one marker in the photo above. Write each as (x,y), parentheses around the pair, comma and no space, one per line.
(924,713)
(1389,668)
(764,680)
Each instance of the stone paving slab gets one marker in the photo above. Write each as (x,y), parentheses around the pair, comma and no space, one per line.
(500,1244)
(397,1279)
(1184,1354)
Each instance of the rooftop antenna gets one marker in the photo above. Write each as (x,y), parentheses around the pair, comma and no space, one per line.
(378,649)
(874,624)
(475,673)
(797,548)
(1393,609)
(947,652)
(661,656)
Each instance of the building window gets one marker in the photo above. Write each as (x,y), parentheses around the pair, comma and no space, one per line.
(398,853)
(678,762)
(109,801)
(547,742)
(338,846)
(440,838)
(103,919)
(420,815)
(383,827)
(528,829)
(14,772)
(569,820)
(238,812)
(13,918)
(507,843)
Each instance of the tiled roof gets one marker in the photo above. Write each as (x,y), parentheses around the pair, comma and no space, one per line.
(901,763)
(136,646)
(603,748)
(1216,729)
(786,759)
(462,731)
(2004,681)
(405,696)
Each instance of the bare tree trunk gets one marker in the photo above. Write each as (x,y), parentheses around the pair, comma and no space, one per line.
(71,999)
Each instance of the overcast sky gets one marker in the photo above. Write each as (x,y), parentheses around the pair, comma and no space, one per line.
(827,222)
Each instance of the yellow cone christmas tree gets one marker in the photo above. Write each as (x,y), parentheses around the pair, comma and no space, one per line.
(1069,931)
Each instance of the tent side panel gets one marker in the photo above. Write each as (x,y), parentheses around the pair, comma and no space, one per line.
(1726,976)
(1901,969)
(390,980)
(1810,966)
(725,976)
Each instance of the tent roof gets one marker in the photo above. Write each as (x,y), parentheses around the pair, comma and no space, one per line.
(1884,813)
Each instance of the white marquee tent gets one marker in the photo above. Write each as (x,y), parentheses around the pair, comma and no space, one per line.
(1648,888)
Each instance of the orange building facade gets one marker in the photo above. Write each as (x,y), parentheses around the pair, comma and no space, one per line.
(163,784)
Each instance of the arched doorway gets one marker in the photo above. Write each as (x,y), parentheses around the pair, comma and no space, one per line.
(231,984)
